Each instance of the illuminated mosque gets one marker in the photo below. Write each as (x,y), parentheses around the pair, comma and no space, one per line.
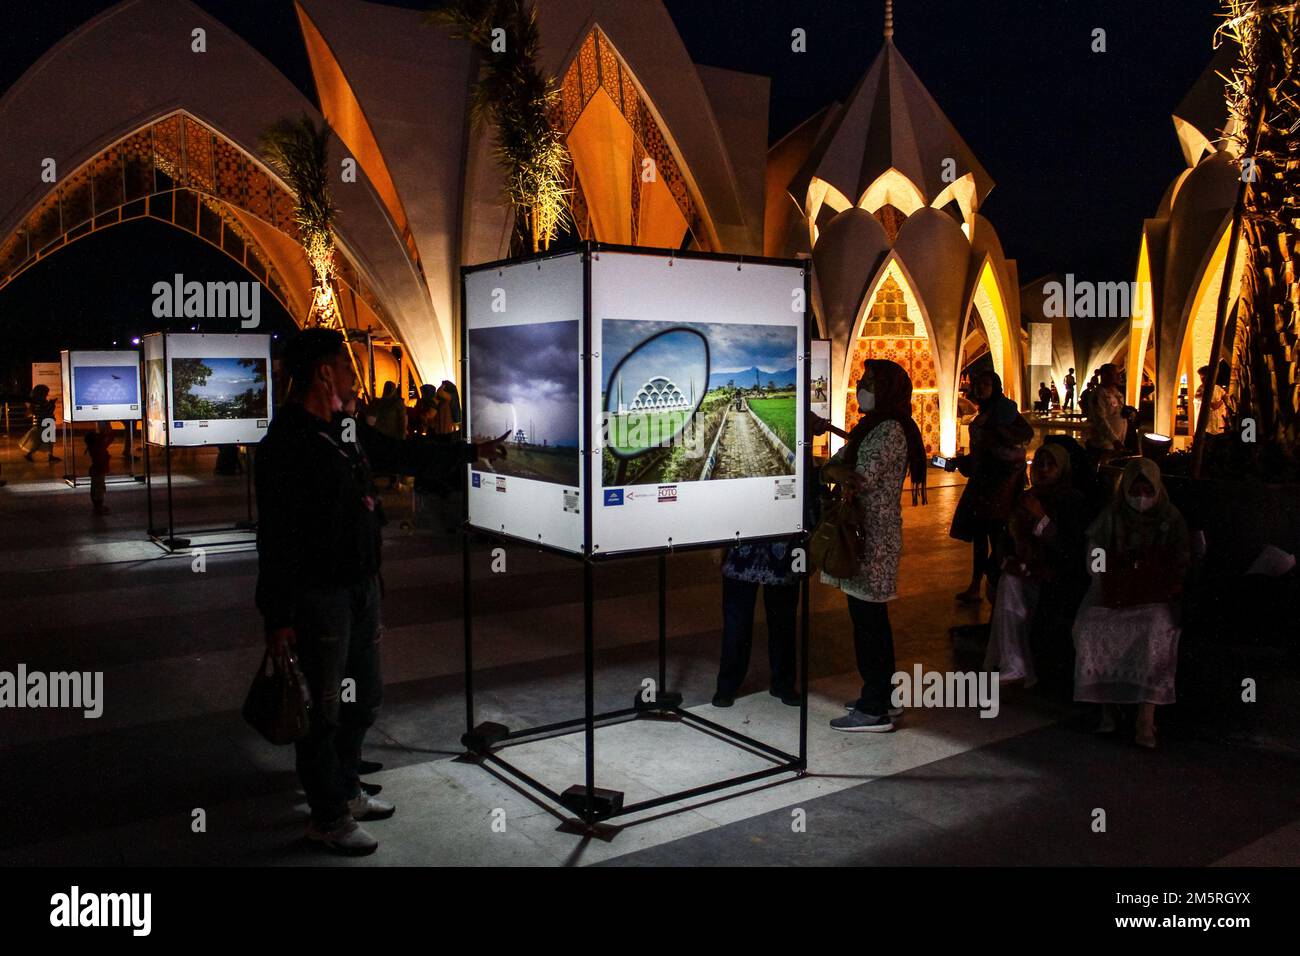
(880,191)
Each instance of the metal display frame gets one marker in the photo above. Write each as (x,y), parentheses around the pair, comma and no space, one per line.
(169,539)
(73,480)
(70,476)
(591,805)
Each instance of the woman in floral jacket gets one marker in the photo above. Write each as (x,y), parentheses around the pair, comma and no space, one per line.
(882,449)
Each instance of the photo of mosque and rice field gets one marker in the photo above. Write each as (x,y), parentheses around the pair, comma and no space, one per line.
(697,401)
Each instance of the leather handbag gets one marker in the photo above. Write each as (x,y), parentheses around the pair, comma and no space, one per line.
(837,543)
(278,704)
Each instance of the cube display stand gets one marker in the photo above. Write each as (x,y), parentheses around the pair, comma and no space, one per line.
(487,742)
(73,480)
(236,536)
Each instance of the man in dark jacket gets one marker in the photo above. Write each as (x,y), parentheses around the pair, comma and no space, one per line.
(318,542)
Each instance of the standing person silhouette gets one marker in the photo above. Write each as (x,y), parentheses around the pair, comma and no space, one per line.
(882,449)
(318,586)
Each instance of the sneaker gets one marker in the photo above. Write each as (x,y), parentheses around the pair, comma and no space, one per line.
(722,700)
(372,788)
(345,837)
(893,711)
(855,721)
(366,806)
(789,697)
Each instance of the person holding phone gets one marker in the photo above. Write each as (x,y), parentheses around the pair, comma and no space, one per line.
(882,449)
(995,473)
(318,588)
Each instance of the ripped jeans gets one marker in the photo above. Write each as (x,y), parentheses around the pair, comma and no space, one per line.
(337,637)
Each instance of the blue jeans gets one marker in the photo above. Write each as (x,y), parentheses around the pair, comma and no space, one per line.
(337,636)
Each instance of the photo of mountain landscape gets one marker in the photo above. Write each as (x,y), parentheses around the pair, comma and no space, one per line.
(215,389)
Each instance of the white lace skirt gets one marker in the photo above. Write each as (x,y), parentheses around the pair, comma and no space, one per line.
(1125,655)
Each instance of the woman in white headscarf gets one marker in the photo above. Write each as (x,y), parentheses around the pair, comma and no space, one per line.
(1126,633)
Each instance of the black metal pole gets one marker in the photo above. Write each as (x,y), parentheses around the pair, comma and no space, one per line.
(805,611)
(466,611)
(148,484)
(171,522)
(663,624)
(589,679)
(248,482)
(171,519)
(804,614)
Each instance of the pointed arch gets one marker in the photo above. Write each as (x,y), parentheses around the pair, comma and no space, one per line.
(822,195)
(630,185)
(892,300)
(892,188)
(1141,322)
(181,170)
(989,307)
(961,191)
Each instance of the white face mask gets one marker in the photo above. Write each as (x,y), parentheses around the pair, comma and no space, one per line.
(866,400)
(1140,502)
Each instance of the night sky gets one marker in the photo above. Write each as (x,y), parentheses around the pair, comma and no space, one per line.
(1080,144)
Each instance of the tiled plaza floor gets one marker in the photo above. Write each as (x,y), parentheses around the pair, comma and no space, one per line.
(178,646)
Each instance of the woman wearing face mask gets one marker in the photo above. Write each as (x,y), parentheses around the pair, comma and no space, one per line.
(1126,633)
(995,473)
(1044,550)
(883,447)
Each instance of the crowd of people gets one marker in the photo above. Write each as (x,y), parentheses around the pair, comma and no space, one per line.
(1085,583)
(1082,581)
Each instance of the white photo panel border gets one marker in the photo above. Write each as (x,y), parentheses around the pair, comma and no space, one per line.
(74,359)
(500,499)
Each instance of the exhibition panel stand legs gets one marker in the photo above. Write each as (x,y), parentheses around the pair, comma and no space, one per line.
(219,385)
(74,480)
(658,352)
(591,804)
(240,534)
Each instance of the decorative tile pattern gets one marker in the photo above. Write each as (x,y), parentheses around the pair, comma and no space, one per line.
(182,172)
(198,155)
(598,66)
(914,355)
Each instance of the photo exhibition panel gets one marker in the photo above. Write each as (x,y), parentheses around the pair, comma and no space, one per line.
(207,389)
(523,334)
(101,386)
(700,371)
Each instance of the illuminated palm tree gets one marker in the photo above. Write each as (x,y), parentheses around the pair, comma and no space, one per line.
(515,96)
(298,150)
(1264,335)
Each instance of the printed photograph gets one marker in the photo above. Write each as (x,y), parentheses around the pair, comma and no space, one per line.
(523,383)
(105,385)
(820,386)
(155,390)
(697,401)
(213,389)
